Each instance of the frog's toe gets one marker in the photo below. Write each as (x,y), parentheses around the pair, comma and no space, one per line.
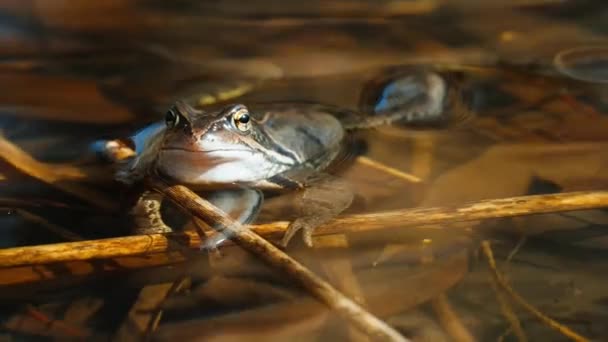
(212,249)
(146,215)
(150,225)
(291,230)
(212,243)
(307,235)
(294,227)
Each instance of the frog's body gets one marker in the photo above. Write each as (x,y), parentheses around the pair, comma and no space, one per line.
(271,147)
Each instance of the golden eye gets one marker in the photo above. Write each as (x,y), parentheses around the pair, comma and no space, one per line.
(171,118)
(242,121)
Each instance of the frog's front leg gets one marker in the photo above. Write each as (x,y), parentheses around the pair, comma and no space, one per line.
(146,214)
(319,202)
(242,205)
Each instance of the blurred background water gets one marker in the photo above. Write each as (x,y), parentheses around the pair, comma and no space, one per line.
(72,72)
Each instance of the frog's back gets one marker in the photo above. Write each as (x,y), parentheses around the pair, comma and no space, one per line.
(307,132)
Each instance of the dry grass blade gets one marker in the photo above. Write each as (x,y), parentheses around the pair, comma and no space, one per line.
(448,318)
(505,306)
(521,301)
(387,169)
(277,259)
(145,314)
(339,269)
(510,316)
(55,175)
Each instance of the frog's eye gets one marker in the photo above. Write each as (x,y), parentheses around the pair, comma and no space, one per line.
(171,118)
(242,120)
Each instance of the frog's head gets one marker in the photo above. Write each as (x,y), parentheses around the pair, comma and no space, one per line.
(216,147)
(192,130)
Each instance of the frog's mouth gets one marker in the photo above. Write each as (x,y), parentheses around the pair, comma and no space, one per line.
(187,161)
(217,166)
(197,158)
(182,149)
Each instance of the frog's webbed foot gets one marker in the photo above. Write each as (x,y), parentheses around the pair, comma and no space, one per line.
(318,203)
(146,214)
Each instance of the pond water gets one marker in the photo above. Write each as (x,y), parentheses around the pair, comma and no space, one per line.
(527,116)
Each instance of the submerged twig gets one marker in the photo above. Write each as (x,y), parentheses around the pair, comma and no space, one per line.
(510,316)
(517,247)
(95,249)
(55,175)
(79,270)
(71,331)
(338,268)
(176,286)
(277,259)
(521,301)
(145,314)
(449,319)
(505,306)
(420,217)
(387,169)
(472,211)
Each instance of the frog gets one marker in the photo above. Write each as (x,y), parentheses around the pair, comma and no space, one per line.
(250,151)
(268,148)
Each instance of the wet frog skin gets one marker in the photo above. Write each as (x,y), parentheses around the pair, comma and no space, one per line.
(241,151)
(270,148)
(239,147)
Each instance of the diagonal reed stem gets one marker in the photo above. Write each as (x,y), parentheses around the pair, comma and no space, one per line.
(279,260)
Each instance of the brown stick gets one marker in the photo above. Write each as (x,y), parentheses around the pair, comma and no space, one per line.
(277,259)
(155,243)
(472,211)
(75,271)
(145,315)
(521,301)
(54,175)
(450,320)
(505,306)
(95,249)
(367,161)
